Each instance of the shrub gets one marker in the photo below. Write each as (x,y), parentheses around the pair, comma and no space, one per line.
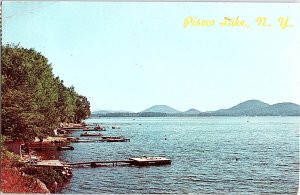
(46,175)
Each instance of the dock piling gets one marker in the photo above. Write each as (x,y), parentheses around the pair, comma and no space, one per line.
(93,164)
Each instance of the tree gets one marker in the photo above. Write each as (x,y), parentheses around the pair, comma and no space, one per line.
(82,109)
(33,100)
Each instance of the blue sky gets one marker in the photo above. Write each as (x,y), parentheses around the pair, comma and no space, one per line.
(130,56)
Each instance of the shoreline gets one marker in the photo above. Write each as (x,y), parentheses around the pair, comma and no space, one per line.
(16,181)
(11,172)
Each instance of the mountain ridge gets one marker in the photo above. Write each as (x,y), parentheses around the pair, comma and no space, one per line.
(246,108)
(161,109)
(191,111)
(243,108)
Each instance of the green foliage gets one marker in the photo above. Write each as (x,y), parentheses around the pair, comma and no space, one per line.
(45,175)
(82,108)
(5,153)
(33,100)
(2,145)
(15,159)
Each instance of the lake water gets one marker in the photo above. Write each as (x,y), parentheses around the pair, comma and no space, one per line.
(218,155)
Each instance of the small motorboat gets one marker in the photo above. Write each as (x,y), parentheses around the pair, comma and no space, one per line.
(145,160)
(91,134)
(117,140)
(84,141)
(97,128)
(114,139)
(65,148)
(71,139)
(115,127)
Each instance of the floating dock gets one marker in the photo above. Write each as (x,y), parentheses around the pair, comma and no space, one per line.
(84,141)
(102,140)
(142,161)
(52,146)
(99,163)
(39,148)
(115,140)
(92,130)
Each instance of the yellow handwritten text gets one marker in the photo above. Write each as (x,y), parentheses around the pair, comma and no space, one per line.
(194,21)
(262,21)
(234,22)
(284,22)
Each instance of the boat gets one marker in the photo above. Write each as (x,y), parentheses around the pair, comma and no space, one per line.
(72,139)
(116,140)
(65,148)
(115,127)
(84,141)
(98,128)
(112,137)
(145,161)
(90,134)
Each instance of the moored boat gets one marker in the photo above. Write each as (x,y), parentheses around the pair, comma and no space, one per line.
(145,160)
(112,137)
(65,148)
(116,140)
(91,134)
(98,128)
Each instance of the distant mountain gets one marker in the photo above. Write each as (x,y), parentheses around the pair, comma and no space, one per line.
(258,108)
(162,109)
(109,111)
(100,112)
(280,109)
(245,108)
(191,112)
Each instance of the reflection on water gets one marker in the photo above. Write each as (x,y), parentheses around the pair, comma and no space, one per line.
(209,155)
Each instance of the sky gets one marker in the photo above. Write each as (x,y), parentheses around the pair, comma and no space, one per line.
(133,55)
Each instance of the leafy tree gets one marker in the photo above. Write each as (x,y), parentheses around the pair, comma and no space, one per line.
(33,100)
(82,109)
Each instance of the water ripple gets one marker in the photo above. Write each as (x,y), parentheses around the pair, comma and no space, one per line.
(209,156)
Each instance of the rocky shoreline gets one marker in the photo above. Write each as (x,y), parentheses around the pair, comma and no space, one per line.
(20,175)
(15,181)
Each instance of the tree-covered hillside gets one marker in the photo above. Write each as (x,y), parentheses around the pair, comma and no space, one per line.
(34,101)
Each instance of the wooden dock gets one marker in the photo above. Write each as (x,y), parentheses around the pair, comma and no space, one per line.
(142,161)
(100,140)
(91,135)
(97,163)
(47,147)
(115,140)
(50,163)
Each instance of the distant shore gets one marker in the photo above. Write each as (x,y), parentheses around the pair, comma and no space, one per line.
(178,116)
(247,108)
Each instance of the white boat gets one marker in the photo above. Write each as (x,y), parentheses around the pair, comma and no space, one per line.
(145,160)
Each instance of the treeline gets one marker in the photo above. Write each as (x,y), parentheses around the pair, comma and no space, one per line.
(147,114)
(34,101)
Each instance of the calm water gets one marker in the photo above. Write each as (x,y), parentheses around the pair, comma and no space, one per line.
(221,155)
